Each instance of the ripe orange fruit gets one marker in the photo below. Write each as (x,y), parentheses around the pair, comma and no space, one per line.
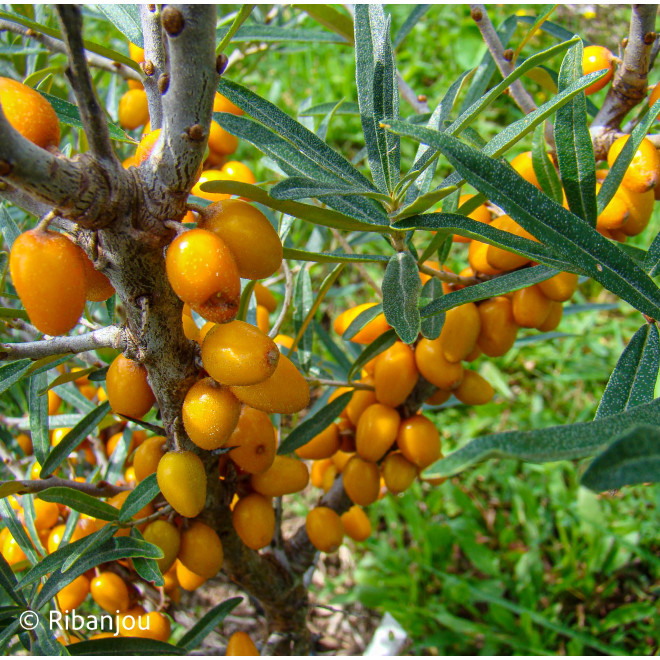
(395,374)
(223,104)
(530,307)
(434,366)
(264,297)
(237,171)
(500,258)
(263,319)
(324,529)
(237,353)
(640,209)
(554,317)
(498,327)
(248,233)
(398,472)
(376,431)
(254,520)
(148,455)
(182,480)
(110,592)
(150,625)
(460,332)
(128,389)
(361,481)
(356,523)
(359,402)
(49,278)
(97,285)
(202,271)
(642,173)
(560,287)
(419,441)
(25,441)
(210,414)
(167,537)
(596,58)
(255,441)
(118,501)
(221,141)
(73,594)
(475,390)
(480,214)
(240,643)
(29,113)
(286,475)
(285,392)
(322,445)
(477,259)
(133,109)
(187,579)
(145,147)
(369,332)
(136,53)
(210,175)
(522,164)
(201,550)
(45,514)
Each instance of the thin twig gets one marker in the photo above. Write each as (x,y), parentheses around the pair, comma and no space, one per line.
(91,113)
(338,383)
(110,337)
(363,271)
(57,46)
(451,278)
(100,489)
(419,104)
(154,66)
(288,298)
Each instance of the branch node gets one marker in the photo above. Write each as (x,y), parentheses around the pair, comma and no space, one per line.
(221,63)
(163,83)
(148,68)
(172,20)
(5,168)
(508,54)
(151,8)
(650,37)
(196,132)
(475,14)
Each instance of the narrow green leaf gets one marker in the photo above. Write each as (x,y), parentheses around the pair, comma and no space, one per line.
(118,646)
(553,29)
(278,34)
(139,497)
(38,409)
(401,288)
(73,438)
(87,544)
(337,353)
(11,313)
(68,377)
(313,425)
(408,25)
(8,583)
(303,300)
(16,529)
(452,223)
(13,372)
(118,457)
(342,108)
(334,257)
(44,642)
(553,225)
(126,18)
(377,346)
(361,320)
(555,443)
(633,380)
(299,187)
(518,279)
(122,547)
(615,176)
(575,153)
(146,568)
(230,34)
(543,167)
(651,263)
(432,326)
(307,212)
(633,458)
(332,18)
(7,633)
(209,622)
(9,228)
(79,501)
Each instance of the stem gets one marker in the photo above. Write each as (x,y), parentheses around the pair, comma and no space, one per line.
(100,489)
(451,278)
(288,297)
(154,66)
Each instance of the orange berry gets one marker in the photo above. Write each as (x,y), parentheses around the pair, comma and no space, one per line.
(223,104)
(127,622)
(283,341)
(25,441)
(286,475)
(596,58)
(640,209)
(561,287)
(73,594)
(204,330)
(29,113)
(498,326)
(419,441)
(322,445)
(45,514)
(460,332)
(554,317)
(263,319)
(395,374)
(202,272)
(221,141)
(133,109)
(375,328)
(359,402)
(285,392)
(477,258)
(148,455)
(237,171)
(135,52)
(480,214)
(210,414)
(655,95)
(324,529)
(187,579)
(54,402)
(398,472)
(475,390)
(167,537)
(128,389)
(446,287)
(361,481)
(255,441)
(110,592)
(117,501)
(146,146)
(182,480)
(201,550)
(49,278)
(503,259)
(190,329)
(376,431)
(356,523)
(253,518)
(434,366)
(522,164)
(642,173)
(240,643)
(530,307)
(264,297)
(615,215)
(248,233)
(11,551)
(151,625)
(439,397)
(97,285)
(113,441)
(210,175)
(237,353)
(318,470)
